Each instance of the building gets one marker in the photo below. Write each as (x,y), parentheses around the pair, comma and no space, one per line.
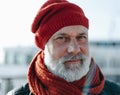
(107,56)
(17,59)
(19,55)
(13,71)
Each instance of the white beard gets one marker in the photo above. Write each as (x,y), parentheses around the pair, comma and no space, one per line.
(69,72)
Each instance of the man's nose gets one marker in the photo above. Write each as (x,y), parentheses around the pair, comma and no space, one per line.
(73,47)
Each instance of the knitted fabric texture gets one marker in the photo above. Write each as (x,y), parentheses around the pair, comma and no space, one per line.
(54,15)
(42,82)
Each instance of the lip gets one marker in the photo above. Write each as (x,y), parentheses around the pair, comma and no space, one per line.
(76,61)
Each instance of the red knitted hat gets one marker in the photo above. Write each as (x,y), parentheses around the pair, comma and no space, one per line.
(52,16)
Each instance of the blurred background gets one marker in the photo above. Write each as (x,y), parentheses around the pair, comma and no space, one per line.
(17,46)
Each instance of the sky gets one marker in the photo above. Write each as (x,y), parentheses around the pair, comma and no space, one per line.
(17,15)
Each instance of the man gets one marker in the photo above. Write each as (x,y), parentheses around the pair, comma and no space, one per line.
(64,65)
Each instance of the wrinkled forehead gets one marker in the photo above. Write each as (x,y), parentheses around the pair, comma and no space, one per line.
(71,30)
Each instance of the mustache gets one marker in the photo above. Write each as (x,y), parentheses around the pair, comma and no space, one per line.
(73,57)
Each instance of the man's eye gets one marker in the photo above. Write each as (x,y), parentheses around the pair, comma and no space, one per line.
(81,38)
(61,40)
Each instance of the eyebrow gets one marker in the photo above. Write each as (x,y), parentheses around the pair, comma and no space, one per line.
(60,34)
(82,33)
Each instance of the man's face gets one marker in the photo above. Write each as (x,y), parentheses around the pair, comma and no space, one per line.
(67,53)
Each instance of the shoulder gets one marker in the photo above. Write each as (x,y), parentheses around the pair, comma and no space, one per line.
(111,88)
(24,90)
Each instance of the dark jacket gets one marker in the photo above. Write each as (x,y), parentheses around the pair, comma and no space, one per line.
(110,88)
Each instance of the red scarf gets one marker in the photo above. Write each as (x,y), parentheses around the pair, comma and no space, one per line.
(43,82)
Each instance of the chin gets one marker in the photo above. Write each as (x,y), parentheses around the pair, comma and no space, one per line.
(69,72)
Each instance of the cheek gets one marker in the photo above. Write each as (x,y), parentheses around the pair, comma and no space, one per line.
(85,50)
(58,51)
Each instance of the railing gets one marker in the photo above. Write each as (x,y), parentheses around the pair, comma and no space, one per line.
(11,76)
